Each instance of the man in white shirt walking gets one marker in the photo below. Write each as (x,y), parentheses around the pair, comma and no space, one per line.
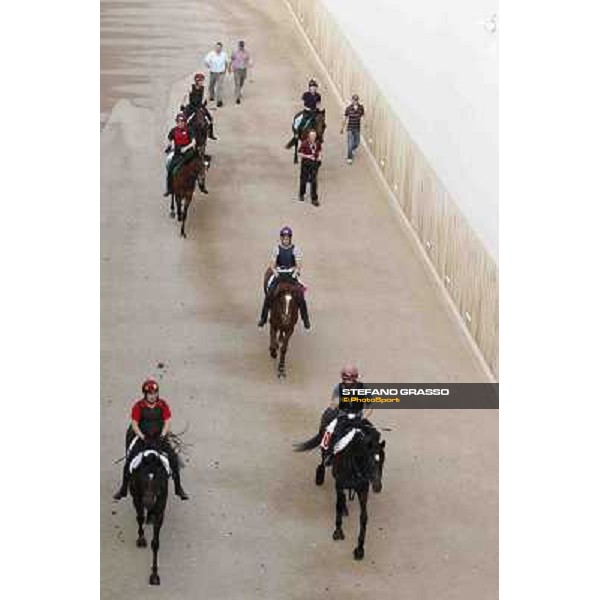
(216,61)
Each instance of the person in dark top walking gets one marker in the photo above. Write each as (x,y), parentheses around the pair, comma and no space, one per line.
(150,420)
(310,151)
(351,122)
(196,103)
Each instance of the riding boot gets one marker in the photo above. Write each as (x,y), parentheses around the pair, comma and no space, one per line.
(168,192)
(122,493)
(264,315)
(179,491)
(304,313)
(211,132)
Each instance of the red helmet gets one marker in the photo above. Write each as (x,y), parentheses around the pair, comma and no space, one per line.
(150,386)
(199,77)
(349,371)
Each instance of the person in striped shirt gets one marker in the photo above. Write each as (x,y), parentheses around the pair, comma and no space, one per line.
(352,116)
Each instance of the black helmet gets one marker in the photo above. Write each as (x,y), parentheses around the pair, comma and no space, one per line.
(313,83)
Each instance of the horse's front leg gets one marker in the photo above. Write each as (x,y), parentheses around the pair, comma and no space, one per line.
(172,213)
(139,510)
(202,184)
(296,150)
(273,346)
(284,339)
(338,534)
(154,578)
(363,496)
(320,473)
(184,215)
(178,203)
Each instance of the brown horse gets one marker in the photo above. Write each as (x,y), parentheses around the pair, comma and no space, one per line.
(283,319)
(184,182)
(317,123)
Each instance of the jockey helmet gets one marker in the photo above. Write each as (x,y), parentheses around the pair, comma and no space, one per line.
(150,386)
(180,117)
(199,77)
(355,97)
(313,83)
(285,231)
(349,372)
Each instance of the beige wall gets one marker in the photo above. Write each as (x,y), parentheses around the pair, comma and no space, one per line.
(460,260)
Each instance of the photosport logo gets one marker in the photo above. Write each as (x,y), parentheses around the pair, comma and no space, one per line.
(421,395)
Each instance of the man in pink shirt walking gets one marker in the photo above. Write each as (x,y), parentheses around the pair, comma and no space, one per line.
(240,62)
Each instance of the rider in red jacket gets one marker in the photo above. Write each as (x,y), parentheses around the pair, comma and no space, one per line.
(182,142)
(150,421)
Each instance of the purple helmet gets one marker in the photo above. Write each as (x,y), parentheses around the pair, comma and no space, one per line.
(285,231)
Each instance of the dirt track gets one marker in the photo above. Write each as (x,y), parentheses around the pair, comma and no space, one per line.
(256,526)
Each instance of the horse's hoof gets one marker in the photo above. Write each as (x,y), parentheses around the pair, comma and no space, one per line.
(338,534)
(172,214)
(320,475)
(359,553)
(281,375)
(273,353)
(141,542)
(183,235)
(154,579)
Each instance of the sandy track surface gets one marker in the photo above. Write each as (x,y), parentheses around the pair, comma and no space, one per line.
(256,526)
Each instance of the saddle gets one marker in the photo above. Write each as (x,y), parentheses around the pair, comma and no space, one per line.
(182,159)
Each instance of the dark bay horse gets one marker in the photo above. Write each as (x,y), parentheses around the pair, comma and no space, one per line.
(149,486)
(283,318)
(184,183)
(316,122)
(198,125)
(356,467)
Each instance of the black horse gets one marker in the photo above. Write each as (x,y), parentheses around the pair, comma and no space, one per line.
(356,467)
(315,120)
(149,487)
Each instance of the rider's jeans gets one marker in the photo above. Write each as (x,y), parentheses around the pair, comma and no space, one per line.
(353,142)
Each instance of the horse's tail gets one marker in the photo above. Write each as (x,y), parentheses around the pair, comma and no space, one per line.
(308,444)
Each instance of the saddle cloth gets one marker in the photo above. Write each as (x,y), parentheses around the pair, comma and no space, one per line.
(137,459)
(341,443)
(297,120)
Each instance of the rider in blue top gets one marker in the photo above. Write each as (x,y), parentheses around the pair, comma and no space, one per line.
(285,256)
